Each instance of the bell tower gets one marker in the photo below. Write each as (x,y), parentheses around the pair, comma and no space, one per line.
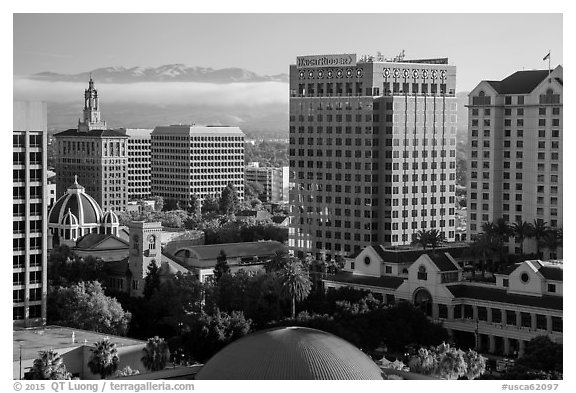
(91,113)
(145,239)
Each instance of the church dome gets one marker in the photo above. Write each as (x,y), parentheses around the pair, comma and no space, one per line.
(294,353)
(69,219)
(110,218)
(81,205)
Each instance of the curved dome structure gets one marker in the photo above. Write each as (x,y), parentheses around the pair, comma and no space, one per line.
(80,204)
(69,219)
(77,214)
(110,218)
(294,353)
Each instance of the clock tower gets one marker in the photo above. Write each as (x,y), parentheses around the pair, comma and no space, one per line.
(145,238)
(91,113)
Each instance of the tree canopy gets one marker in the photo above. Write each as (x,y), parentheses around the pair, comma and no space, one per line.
(85,306)
(229,201)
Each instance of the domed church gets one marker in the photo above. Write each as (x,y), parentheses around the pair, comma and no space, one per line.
(77,214)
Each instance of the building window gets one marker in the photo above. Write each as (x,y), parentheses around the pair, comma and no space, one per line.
(556,324)
(505,282)
(422,275)
(510,317)
(552,288)
(496,315)
(541,322)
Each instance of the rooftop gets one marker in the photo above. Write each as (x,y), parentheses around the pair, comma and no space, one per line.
(520,82)
(193,129)
(58,337)
(92,133)
(233,250)
(502,296)
(382,281)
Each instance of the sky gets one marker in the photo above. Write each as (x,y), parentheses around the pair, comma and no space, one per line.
(482,46)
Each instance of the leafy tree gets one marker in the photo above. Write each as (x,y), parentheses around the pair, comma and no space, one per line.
(294,283)
(185,293)
(522,230)
(194,206)
(156,354)
(126,372)
(541,353)
(253,190)
(104,359)
(85,306)
(158,203)
(152,280)
(210,204)
(170,204)
(207,334)
(221,267)
(173,220)
(65,268)
(447,362)
(49,365)
(229,200)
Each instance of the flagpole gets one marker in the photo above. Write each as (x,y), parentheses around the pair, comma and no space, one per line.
(549,69)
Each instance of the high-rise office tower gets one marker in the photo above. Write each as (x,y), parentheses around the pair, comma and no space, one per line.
(515,152)
(372,152)
(29,204)
(194,159)
(97,155)
(139,141)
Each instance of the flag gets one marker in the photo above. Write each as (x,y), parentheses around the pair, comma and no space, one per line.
(546,57)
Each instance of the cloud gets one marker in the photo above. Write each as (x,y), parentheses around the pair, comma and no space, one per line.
(158,93)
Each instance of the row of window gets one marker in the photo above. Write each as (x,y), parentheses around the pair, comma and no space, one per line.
(191,138)
(19,260)
(34,294)
(34,311)
(34,277)
(19,140)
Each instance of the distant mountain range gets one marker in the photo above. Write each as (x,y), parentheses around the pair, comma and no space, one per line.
(165,73)
(265,120)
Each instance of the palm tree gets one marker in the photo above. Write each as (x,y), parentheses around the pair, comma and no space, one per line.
(294,283)
(104,359)
(280,258)
(435,238)
(539,233)
(421,238)
(485,245)
(156,354)
(504,231)
(553,239)
(522,230)
(49,365)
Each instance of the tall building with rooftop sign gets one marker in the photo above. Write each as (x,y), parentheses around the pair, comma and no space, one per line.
(372,152)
